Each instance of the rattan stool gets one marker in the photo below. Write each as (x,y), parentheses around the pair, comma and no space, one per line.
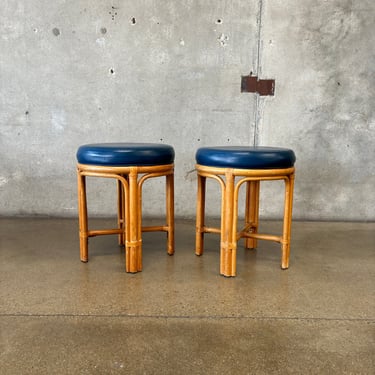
(232,167)
(131,164)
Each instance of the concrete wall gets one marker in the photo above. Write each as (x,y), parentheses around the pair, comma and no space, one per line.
(74,72)
(323,57)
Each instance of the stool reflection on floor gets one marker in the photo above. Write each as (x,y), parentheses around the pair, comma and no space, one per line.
(232,167)
(131,164)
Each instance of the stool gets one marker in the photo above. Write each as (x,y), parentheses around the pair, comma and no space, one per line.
(232,167)
(131,164)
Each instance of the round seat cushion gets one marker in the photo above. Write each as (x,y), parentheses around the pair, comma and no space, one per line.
(125,154)
(246,157)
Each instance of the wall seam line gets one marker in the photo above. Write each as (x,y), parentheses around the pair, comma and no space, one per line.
(257,73)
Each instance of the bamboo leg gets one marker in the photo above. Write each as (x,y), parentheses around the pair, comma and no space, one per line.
(288,206)
(252,212)
(170,213)
(120,212)
(133,222)
(228,237)
(127,224)
(82,215)
(199,228)
(139,227)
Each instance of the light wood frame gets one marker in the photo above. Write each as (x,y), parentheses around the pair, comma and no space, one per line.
(130,182)
(230,187)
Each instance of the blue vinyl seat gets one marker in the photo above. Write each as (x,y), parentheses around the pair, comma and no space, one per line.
(246,157)
(125,154)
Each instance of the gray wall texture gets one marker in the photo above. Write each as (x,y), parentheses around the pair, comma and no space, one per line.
(82,71)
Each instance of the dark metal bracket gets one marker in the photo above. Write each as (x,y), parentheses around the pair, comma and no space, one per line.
(264,87)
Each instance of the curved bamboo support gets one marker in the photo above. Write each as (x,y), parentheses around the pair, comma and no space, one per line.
(169,227)
(84,232)
(200,228)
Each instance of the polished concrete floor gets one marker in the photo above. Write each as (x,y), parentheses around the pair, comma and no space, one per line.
(178,316)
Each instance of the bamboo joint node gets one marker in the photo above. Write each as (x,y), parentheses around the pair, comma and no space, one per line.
(133,243)
(228,245)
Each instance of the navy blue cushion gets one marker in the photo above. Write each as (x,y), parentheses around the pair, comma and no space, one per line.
(243,157)
(125,154)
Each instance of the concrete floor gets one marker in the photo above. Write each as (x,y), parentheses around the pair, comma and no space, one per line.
(178,316)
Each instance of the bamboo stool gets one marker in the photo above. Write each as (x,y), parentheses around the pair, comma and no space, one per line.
(232,167)
(131,164)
